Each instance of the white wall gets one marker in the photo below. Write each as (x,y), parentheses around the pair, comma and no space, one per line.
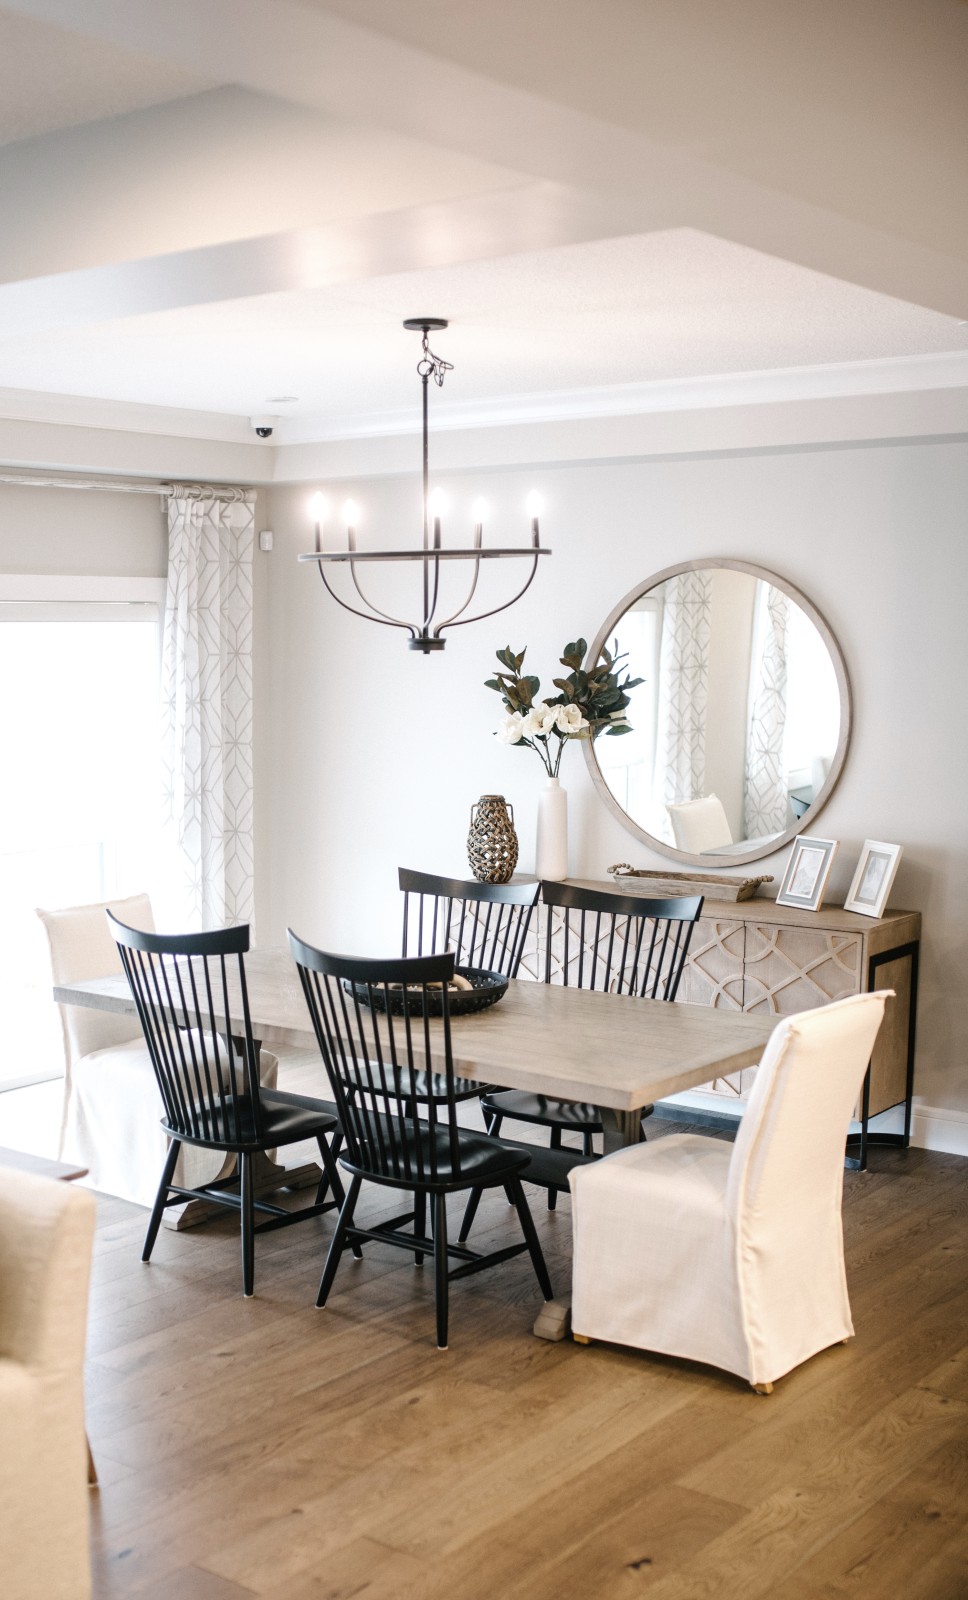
(371,756)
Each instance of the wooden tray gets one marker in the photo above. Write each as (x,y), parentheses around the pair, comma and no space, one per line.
(639,880)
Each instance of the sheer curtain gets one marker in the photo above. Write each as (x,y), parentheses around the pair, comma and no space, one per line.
(207,704)
(765,800)
(683,691)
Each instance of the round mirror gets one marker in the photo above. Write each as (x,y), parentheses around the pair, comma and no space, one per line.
(741,723)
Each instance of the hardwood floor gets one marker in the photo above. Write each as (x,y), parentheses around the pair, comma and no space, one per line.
(265,1448)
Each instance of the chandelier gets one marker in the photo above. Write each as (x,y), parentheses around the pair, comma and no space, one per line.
(425,635)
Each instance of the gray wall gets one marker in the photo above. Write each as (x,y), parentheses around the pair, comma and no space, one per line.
(371,755)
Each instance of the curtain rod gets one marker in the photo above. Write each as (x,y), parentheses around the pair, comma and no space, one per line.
(193,491)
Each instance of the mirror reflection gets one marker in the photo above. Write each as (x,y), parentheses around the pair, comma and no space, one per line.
(739,721)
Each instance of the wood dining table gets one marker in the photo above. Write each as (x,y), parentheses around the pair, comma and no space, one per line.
(616,1052)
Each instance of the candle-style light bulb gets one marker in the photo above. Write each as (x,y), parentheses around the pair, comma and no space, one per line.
(436,505)
(535,506)
(479,511)
(317,510)
(351,513)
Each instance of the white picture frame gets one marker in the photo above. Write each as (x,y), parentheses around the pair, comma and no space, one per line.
(807,872)
(876,870)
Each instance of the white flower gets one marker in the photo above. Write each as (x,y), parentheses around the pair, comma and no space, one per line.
(511,730)
(570,719)
(540,721)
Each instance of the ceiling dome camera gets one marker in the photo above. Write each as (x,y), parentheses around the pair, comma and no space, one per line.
(263,426)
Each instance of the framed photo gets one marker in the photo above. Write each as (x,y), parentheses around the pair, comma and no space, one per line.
(806,873)
(872,881)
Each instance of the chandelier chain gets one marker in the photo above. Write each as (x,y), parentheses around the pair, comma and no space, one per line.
(431,366)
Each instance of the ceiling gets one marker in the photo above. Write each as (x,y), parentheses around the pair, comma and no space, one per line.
(225,202)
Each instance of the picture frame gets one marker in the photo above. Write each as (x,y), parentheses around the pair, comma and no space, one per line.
(871,885)
(807,872)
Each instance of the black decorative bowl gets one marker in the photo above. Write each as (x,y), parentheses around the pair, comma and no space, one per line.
(486,990)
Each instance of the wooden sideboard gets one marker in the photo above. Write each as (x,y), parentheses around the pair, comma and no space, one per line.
(753,955)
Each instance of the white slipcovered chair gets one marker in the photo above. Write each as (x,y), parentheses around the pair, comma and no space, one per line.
(699,825)
(111,1121)
(46,1234)
(732,1254)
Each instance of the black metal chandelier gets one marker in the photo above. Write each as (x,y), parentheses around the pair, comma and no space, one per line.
(427,634)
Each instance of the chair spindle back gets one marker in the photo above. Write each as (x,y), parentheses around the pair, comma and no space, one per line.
(484,924)
(621,943)
(375,1058)
(188,988)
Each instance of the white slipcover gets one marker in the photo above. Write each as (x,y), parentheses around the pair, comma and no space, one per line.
(700,825)
(112,1107)
(46,1233)
(733,1254)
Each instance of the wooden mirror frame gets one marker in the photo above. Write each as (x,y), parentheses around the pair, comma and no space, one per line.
(724,863)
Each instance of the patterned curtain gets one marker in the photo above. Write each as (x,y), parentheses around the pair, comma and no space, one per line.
(683,691)
(207,704)
(765,799)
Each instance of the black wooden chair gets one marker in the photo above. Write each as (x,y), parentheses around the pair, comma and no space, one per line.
(192,1002)
(374,1061)
(484,924)
(620,943)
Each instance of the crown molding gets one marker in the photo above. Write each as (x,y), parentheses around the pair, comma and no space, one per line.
(124,416)
(890,375)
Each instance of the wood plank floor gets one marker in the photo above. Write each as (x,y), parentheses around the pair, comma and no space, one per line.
(263,1448)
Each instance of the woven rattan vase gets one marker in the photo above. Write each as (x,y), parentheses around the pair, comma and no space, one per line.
(492,844)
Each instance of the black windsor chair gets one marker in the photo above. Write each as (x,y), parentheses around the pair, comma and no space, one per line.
(193,1005)
(619,943)
(484,924)
(373,1058)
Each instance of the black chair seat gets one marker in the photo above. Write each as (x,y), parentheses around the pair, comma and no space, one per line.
(286,1118)
(406,1152)
(524,1107)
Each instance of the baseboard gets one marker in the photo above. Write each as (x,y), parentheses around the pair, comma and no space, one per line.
(936,1128)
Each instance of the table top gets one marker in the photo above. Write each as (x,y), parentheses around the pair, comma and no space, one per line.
(571,1044)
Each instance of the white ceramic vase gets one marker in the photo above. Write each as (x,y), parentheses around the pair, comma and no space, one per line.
(551,852)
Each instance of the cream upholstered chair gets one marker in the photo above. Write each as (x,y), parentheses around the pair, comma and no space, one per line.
(111,1121)
(46,1233)
(699,825)
(733,1254)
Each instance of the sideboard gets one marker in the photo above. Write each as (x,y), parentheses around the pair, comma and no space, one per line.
(753,955)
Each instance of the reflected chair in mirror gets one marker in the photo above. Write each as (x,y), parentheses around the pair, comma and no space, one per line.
(619,943)
(193,1007)
(374,1055)
(700,825)
(732,1254)
(111,1117)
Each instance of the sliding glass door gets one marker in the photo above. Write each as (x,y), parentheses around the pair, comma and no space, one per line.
(80,792)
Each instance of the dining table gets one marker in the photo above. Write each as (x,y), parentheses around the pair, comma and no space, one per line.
(616,1052)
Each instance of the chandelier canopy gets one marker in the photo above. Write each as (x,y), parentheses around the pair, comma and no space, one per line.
(427,634)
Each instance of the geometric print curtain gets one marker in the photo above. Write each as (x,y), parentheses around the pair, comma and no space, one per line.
(683,693)
(207,704)
(765,797)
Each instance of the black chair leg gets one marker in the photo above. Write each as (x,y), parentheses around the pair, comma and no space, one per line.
(419,1221)
(531,1239)
(470,1212)
(338,1243)
(555,1145)
(587,1146)
(157,1210)
(330,1178)
(248,1224)
(441,1285)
